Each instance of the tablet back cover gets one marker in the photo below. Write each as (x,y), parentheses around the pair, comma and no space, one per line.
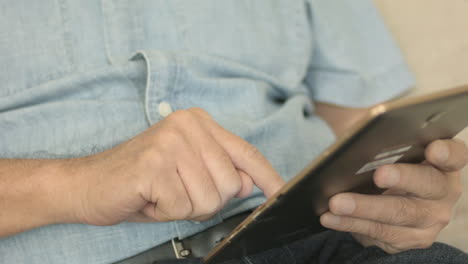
(396,132)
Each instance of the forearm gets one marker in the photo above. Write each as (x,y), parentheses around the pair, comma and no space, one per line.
(33,193)
(340,119)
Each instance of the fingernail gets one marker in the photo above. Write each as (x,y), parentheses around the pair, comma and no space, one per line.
(345,205)
(392,177)
(442,154)
(331,220)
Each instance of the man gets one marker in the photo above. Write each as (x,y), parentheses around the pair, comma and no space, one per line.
(115,113)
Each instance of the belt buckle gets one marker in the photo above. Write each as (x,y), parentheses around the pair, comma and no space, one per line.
(179,250)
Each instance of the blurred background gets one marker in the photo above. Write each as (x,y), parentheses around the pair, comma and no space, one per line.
(433,35)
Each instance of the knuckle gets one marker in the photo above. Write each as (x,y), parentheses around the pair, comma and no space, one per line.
(182,117)
(230,180)
(185,209)
(211,205)
(181,212)
(234,186)
(426,216)
(230,186)
(404,213)
(223,157)
(444,218)
(168,136)
(197,110)
(422,215)
(178,207)
(253,153)
(378,231)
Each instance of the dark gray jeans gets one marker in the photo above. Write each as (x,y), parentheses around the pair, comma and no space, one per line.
(340,248)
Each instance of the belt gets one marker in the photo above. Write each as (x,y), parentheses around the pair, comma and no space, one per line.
(195,246)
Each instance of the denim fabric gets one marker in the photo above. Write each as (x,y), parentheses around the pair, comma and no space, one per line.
(333,247)
(80,76)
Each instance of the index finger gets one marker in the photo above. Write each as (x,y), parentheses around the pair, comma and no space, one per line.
(245,156)
(448,154)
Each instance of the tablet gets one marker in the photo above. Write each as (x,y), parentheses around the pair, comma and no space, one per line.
(392,132)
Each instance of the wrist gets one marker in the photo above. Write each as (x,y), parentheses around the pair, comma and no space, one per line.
(33,193)
(60,188)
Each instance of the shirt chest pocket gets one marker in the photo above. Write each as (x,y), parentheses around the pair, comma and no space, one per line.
(33,46)
(263,34)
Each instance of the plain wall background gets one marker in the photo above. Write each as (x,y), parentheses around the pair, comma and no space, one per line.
(433,35)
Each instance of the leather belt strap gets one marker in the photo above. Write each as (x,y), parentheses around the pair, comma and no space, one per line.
(194,246)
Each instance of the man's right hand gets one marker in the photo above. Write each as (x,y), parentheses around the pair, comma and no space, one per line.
(184,167)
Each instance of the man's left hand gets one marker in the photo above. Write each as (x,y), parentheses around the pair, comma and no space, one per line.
(416,206)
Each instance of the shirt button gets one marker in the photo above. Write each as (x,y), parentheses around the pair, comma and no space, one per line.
(164,109)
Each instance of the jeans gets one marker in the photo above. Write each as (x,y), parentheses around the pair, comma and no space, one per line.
(333,247)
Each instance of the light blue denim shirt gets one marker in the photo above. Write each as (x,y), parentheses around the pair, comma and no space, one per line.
(80,76)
